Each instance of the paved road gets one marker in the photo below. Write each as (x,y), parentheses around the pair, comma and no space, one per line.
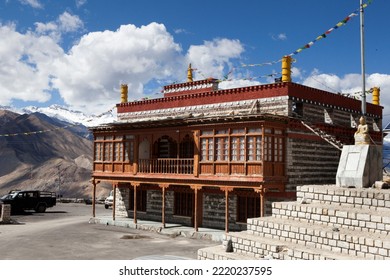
(63,233)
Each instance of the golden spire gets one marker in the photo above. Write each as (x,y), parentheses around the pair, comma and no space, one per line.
(124,92)
(286,69)
(189,74)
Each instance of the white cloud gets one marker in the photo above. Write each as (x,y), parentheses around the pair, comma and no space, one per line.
(25,65)
(279,37)
(33,3)
(181,31)
(80,3)
(90,74)
(237,83)
(65,23)
(69,23)
(282,36)
(212,57)
(352,84)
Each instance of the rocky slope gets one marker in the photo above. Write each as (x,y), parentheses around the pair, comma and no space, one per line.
(39,152)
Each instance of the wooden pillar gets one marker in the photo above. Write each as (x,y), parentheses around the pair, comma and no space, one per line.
(196,152)
(262,192)
(196,188)
(163,188)
(94,199)
(136,155)
(135,185)
(114,185)
(227,190)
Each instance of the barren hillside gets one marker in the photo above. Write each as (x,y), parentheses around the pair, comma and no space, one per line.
(38,152)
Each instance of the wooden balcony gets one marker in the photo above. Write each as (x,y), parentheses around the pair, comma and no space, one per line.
(166,166)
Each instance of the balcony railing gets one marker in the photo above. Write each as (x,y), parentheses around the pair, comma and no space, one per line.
(166,166)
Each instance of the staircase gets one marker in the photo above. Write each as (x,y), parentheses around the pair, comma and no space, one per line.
(327,137)
(325,223)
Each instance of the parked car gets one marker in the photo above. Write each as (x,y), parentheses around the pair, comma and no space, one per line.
(30,200)
(109,200)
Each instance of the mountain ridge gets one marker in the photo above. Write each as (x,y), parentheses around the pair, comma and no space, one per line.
(41,152)
(65,114)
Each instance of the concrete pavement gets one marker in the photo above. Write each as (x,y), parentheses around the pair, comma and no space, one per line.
(172,230)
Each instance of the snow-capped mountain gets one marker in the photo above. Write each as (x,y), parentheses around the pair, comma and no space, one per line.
(67,115)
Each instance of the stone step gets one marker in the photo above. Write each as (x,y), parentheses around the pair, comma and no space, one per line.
(250,247)
(339,216)
(270,248)
(356,197)
(219,253)
(350,242)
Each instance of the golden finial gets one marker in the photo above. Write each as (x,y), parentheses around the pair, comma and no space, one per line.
(189,73)
(124,92)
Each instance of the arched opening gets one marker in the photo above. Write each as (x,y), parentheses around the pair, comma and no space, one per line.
(187,147)
(165,147)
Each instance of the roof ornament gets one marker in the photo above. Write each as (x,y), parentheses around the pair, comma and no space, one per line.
(189,74)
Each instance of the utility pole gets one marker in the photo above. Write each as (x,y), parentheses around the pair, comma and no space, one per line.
(59,182)
(364,112)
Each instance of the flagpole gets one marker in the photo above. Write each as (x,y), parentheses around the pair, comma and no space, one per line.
(362,58)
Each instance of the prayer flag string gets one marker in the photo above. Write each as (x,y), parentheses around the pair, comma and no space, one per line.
(322,36)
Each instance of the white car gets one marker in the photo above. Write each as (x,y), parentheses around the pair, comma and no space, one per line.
(109,200)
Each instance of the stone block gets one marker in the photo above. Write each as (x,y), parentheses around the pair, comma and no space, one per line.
(359,166)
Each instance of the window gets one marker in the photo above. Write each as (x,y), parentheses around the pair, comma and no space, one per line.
(141,200)
(278,149)
(107,151)
(297,109)
(114,148)
(98,151)
(207,146)
(267,148)
(183,204)
(244,144)
(238,148)
(118,151)
(129,151)
(254,148)
(221,148)
(248,206)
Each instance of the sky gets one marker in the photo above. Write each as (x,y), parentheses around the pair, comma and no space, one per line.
(76,53)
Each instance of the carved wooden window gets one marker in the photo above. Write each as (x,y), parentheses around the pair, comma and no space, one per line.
(118,151)
(267,148)
(114,148)
(237,148)
(254,148)
(98,151)
(278,149)
(207,146)
(129,151)
(221,148)
(107,151)
(236,144)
